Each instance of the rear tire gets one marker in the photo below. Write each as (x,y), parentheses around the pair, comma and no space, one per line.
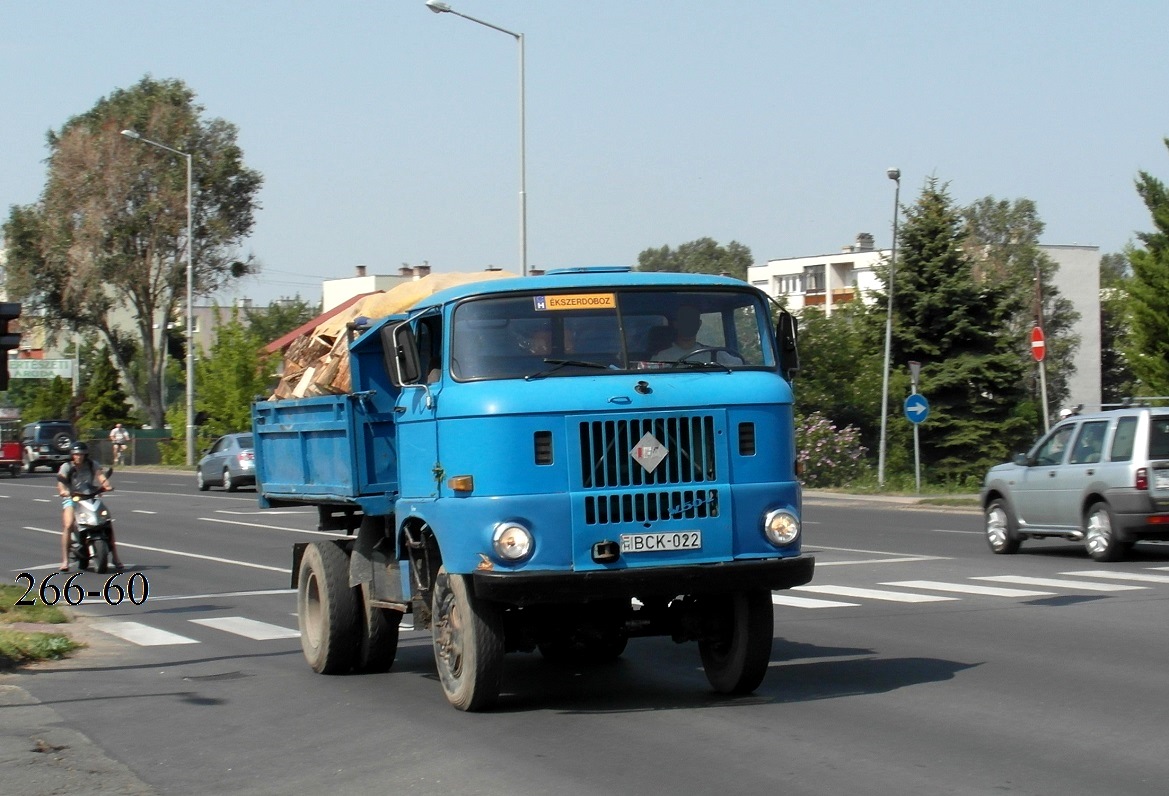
(1100,536)
(1002,534)
(229,484)
(468,643)
(379,639)
(326,609)
(736,658)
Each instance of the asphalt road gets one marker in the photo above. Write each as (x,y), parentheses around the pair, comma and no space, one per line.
(915,662)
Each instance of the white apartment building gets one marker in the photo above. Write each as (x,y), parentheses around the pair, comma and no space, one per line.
(829,280)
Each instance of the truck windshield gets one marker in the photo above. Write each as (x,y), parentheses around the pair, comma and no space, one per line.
(595,331)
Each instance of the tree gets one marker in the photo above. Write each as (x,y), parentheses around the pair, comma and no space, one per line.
(281,317)
(952,322)
(230,377)
(109,232)
(1116,378)
(104,402)
(1002,240)
(702,256)
(1147,312)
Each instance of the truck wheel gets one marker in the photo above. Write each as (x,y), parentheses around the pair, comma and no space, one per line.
(326,609)
(1001,534)
(101,555)
(736,659)
(1099,535)
(468,643)
(379,639)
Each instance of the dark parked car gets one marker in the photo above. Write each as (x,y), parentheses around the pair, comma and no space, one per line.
(46,443)
(1101,479)
(230,462)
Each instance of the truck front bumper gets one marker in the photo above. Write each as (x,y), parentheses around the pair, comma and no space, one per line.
(533,588)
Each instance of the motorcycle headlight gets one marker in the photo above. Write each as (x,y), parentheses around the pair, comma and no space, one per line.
(781,527)
(512,541)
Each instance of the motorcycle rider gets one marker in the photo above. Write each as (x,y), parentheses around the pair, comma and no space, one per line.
(80,475)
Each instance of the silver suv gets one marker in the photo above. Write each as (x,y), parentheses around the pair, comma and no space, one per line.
(1102,479)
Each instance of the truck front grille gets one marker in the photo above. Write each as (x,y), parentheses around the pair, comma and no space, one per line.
(688,441)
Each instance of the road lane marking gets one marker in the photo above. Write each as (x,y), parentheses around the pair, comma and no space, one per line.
(875,594)
(272,527)
(248,628)
(142,635)
(905,560)
(125,545)
(1055,583)
(1109,575)
(967,588)
(808,602)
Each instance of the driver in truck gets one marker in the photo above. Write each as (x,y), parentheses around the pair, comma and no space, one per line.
(687,322)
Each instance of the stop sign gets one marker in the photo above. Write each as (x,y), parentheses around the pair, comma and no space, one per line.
(1038,345)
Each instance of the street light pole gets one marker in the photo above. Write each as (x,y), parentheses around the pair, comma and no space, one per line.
(135,136)
(439,7)
(895,175)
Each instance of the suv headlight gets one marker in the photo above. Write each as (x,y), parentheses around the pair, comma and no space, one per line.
(512,541)
(781,527)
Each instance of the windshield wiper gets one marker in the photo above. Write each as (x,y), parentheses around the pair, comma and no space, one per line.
(696,364)
(557,364)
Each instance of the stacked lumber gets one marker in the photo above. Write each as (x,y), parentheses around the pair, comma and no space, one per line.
(317,362)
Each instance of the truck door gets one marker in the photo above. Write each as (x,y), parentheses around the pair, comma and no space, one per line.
(416,407)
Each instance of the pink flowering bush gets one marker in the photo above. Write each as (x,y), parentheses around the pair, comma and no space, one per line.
(829,456)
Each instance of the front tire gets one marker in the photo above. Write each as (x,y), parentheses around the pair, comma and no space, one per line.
(1002,535)
(468,644)
(27,462)
(201,482)
(326,609)
(1100,536)
(101,555)
(735,658)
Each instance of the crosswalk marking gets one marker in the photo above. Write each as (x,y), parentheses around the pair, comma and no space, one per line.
(967,588)
(1055,583)
(875,594)
(142,635)
(248,628)
(1108,574)
(808,602)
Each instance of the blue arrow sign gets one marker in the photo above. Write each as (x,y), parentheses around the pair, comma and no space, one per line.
(917,408)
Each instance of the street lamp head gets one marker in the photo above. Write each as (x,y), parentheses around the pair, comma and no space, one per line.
(894,174)
(437,6)
(133,134)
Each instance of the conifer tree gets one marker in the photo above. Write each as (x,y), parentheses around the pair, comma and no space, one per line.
(954,324)
(1147,349)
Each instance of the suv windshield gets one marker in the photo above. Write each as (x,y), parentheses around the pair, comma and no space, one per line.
(564,334)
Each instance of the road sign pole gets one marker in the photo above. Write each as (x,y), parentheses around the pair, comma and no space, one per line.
(914,374)
(1043,390)
(1039,353)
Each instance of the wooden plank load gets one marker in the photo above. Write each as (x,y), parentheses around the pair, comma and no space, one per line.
(317,362)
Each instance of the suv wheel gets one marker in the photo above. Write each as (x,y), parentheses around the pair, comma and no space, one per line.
(1001,534)
(1099,535)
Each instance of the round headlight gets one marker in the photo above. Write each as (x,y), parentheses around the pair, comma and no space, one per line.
(781,527)
(512,541)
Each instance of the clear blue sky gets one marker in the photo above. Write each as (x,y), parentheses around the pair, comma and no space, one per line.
(387,134)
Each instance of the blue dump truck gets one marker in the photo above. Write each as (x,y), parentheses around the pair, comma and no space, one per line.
(554,463)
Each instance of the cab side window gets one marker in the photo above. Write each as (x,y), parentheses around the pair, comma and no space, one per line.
(1052,450)
(1123,439)
(1159,437)
(1089,444)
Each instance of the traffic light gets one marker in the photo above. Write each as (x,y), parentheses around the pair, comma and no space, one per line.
(9,311)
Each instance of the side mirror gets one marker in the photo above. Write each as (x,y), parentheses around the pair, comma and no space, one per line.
(787,334)
(1021,460)
(400,353)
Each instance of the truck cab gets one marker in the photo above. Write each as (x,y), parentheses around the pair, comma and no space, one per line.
(554,464)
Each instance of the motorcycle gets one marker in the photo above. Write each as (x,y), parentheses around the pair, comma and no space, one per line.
(92,528)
